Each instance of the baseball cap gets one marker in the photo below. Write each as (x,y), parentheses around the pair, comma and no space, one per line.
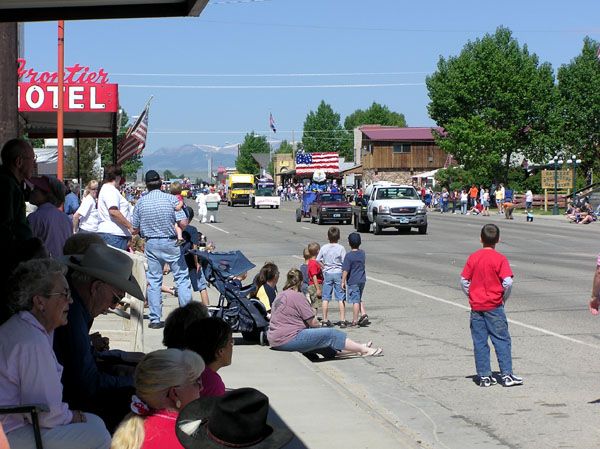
(354,239)
(152,175)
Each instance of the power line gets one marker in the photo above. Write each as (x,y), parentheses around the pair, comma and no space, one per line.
(399,30)
(274,75)
(308,86)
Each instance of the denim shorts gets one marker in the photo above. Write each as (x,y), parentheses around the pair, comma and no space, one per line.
(197,279)
(354,293)
(332,284)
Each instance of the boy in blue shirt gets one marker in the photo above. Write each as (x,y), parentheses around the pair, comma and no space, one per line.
(354,279)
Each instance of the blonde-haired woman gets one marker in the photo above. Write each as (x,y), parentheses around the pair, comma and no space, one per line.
(165,382)
(293,327)
(86,217)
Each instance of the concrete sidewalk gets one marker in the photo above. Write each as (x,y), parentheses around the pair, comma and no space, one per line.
(321,412)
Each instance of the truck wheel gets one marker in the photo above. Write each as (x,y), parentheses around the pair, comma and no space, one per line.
(320,220)
(378,229)
(229,203)
(276,207)
(272,207)
(355,221)
(423,229)
(312,219)
(298,215)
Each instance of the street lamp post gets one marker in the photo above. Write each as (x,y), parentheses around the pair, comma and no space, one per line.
(575,162)
(557,162)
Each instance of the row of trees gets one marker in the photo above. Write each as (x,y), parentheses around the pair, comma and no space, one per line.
(322,131)
(496,101)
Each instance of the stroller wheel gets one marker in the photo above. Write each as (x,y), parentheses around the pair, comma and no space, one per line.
(263,339)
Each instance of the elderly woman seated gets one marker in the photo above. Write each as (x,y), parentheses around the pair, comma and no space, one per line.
(293,327)
(29,371)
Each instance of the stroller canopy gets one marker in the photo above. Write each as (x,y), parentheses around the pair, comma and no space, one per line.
(228,264)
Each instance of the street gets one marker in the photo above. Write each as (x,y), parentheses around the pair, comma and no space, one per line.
(423,386)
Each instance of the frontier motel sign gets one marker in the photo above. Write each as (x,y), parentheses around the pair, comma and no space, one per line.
(85,91)
(91,103)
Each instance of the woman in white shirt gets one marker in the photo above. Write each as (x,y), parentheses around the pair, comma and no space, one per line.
(86,216)
(113,210)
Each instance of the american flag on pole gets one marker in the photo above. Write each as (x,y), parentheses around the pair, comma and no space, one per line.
(272,122)
(135,139)
(329,162)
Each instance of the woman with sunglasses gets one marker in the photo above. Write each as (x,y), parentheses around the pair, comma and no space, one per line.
(30,372)
(165,382)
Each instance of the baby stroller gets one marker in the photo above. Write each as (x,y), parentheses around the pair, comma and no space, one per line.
(243,314)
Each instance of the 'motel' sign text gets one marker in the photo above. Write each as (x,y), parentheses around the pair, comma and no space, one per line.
(85,91)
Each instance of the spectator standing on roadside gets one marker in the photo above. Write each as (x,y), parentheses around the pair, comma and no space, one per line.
(473,192)
(154,218)
(113,210)
(444,200)
(331,256)
(71,198)
(315,278)
(595,301)
(528,200)
(509,207)
(487,280)
(499,195)
(86,217)
(486,203)
(464,202)
(354,279)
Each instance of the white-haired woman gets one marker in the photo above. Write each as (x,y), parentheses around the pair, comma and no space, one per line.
(165,381)
(86,216)
(29,371)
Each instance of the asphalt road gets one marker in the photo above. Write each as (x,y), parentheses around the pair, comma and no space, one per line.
(423,385)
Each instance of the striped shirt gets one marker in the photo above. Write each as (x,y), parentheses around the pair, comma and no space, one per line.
(154,215)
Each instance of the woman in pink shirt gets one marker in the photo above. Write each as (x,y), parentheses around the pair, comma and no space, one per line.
(165,381)
(213,340)
(29,371)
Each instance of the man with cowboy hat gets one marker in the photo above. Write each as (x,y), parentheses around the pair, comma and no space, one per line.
(98,280)
(154,217)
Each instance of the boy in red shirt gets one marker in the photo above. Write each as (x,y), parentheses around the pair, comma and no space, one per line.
(487,280)
(315,277)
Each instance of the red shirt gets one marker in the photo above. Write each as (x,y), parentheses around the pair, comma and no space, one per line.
(159,431)
(486,269)
(314,269)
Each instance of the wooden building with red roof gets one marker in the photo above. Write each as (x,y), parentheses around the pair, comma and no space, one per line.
(389,153)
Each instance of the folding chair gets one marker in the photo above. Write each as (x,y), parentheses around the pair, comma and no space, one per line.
(33,410)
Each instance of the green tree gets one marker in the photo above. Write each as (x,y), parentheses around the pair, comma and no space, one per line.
(168,174)
(579,106)
(376,114)
(252,143)
(323,132)
(493,100)
(87,162)
(285,147)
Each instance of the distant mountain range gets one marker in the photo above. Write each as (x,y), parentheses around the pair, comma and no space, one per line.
(191,160)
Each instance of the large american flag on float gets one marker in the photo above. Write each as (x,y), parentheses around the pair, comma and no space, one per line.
(135,139)
(329,162)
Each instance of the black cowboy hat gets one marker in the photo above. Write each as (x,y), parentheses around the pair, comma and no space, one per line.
(237,419)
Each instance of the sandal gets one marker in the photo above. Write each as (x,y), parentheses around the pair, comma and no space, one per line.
(363,320)
(373,352)
(326,324)
(353,324)
(343,324)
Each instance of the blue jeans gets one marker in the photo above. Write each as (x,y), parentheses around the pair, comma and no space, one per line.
(332,283)
(315,340)
(463,207)
(491,324)
(117,241)
(444,206)
(159,252)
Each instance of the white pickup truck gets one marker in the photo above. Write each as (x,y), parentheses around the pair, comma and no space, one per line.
(391,205)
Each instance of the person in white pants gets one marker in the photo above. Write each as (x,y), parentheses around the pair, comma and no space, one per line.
(202,211)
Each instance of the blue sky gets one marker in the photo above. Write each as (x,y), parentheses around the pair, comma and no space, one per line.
(243,37)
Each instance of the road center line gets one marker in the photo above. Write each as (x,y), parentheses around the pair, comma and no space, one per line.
(217,228)
(461,306)
(304,227)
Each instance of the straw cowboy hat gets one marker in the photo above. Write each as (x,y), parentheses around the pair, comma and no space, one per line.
(237,419)
(108,265)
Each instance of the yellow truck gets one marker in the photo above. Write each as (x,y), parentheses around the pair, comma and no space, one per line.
(239,189)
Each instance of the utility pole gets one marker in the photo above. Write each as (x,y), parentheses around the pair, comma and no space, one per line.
(9,114)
